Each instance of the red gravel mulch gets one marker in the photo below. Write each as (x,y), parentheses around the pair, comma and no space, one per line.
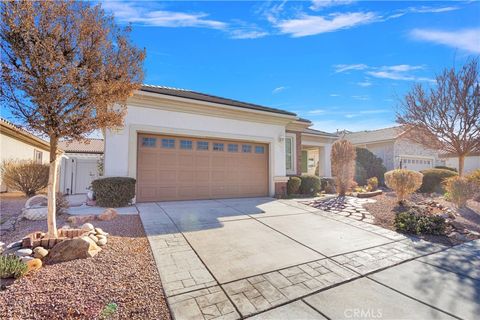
(124,273)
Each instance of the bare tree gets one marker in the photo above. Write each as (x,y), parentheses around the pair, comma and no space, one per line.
(67,71)
(447,115)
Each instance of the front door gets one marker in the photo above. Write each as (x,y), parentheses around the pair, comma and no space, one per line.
(86,171)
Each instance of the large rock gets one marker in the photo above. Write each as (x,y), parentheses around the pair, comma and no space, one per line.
(40,252)
(71,249)
(87,227)
(108,214)
(23,252)
(78,220)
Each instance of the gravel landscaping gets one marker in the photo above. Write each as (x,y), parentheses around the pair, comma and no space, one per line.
(123,273)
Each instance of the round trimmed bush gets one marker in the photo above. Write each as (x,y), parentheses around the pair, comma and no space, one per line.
(293,185)
(433,180)
(114,191)
(404,182)
(310,184)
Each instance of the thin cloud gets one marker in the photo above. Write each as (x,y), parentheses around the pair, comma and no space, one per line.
(308,25)
(334,95)
(467,39)
(130,13)
(320,4)
(364,84)
(278,89)
(361,97)
(247,34)
(347,67)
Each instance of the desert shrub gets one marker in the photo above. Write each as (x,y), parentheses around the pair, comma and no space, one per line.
(114,192)
(446,168)
(12,267)
(309,184)
(360,175)
(433,180)
(26,176)
(61,203)
(327,185)
(343,165)
(372,183)
(460,189)
(370,164)
(404,182)
(474,177)
(293,185)
(411,222)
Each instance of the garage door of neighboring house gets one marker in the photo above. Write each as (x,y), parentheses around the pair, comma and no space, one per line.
(416,163)
(183,168)
(86,171)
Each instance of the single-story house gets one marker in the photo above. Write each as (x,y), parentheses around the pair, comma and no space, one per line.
(80,164)
(391,145)
(472,161)
(181,144)
(19,144)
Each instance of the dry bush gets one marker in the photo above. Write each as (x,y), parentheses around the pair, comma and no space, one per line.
(460,190)
(372,184)
(474,177)
(343,165)
(404,182)
(26,176)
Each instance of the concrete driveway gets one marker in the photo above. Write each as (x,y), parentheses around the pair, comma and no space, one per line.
(278,259)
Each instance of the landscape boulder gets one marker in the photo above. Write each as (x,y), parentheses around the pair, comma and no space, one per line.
(40,252)
(71,249)
(78,220)
(107,215)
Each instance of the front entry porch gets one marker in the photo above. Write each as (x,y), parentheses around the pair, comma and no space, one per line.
(315,160)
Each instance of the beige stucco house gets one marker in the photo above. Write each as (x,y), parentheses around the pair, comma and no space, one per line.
(19,144)
(394,149)
(472,162)
(181,144)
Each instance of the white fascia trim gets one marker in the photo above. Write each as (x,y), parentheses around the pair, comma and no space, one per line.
(217,105)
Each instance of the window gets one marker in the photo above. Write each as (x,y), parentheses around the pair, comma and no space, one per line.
(38,156)
(233,148)
(202,145)
(289,154)
(149,142)
(246,148)
(218,147)
(259,149)
(186,144)
(168,143)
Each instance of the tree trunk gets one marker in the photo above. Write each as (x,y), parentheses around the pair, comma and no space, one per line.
(461,164)
(52,188)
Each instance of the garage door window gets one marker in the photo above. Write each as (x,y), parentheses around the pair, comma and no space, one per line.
(233,148)
(246,148)
(168,143)
(186,144)
(149,142)
(218,147)
(202,145)
(259,149)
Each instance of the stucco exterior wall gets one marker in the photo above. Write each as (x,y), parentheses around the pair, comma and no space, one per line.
(383,150)
(406,147)
(11,148)
(121,145)
(471,163)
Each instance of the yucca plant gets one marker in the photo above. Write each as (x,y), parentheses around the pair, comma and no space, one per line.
(12,266)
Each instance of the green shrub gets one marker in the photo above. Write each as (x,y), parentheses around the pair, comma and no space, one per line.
(360,175)
(293,185)
(11,266)
(446,168)
(114,192)
(410,222)
(327,185)
(371,164)
(372,183)
(433,180)
(26,176)
(310,184)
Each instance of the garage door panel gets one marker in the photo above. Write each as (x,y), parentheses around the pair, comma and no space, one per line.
(180,168)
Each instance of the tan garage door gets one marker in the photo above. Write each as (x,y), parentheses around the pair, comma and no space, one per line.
(181,168)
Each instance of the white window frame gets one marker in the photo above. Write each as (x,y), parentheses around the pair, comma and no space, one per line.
(293,153)
(38,156)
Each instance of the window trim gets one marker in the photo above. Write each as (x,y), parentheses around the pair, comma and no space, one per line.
(167,146)
(38,160)
(230,150)
(200,142)
(184,142)
(255,150)
(153,139)
(250,148)
(293,153)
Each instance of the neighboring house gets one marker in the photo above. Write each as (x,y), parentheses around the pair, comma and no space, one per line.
(472,162)
(181,144)
(394,149)
(80,164)
(19,144)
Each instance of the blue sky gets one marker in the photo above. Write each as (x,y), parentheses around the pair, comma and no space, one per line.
(341,64)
